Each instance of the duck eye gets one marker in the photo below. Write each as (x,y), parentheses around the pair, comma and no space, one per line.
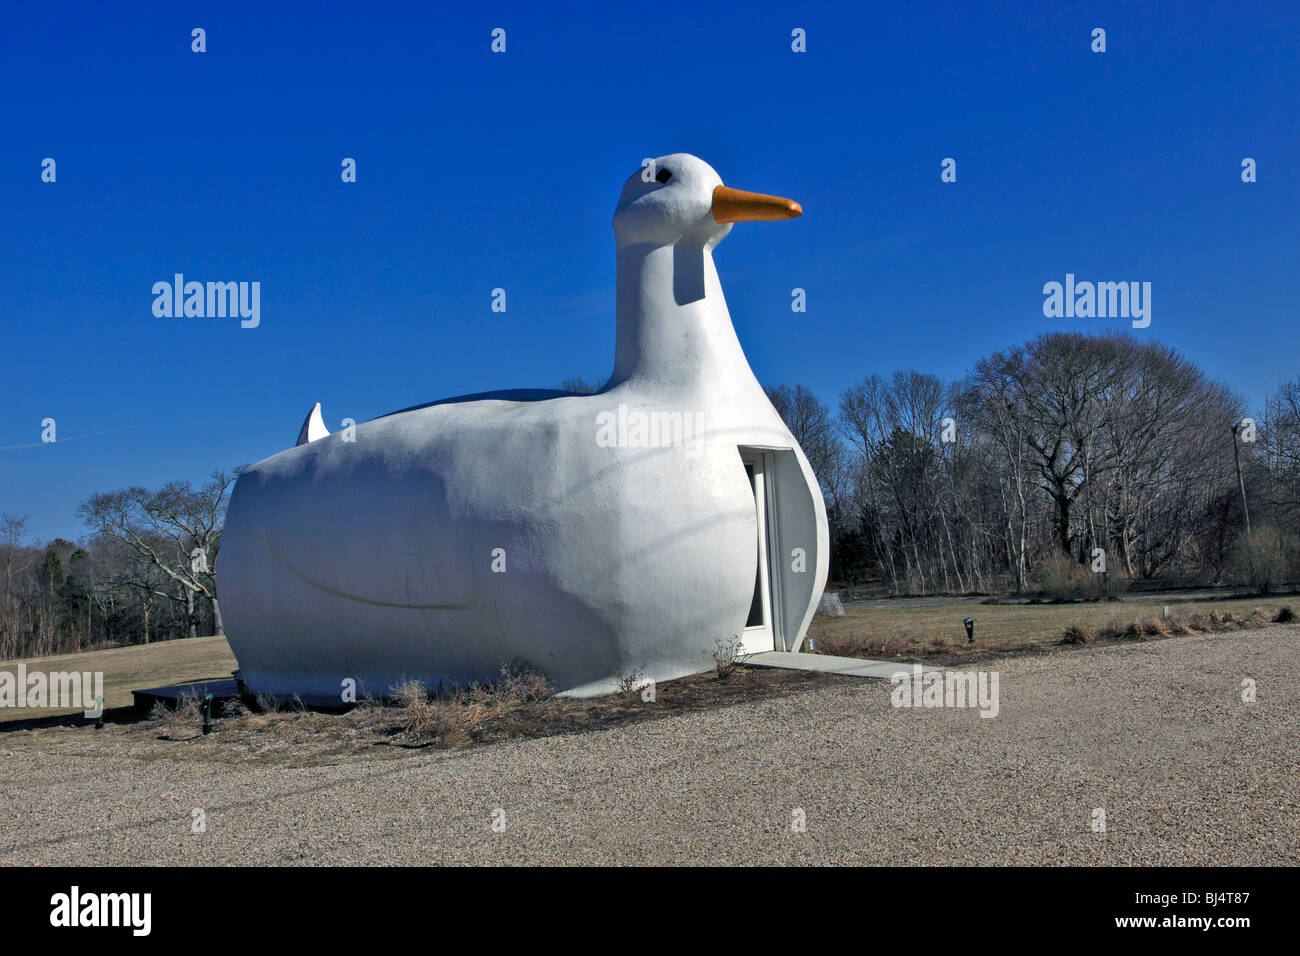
(663,175)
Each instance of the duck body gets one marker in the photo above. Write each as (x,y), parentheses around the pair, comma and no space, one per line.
(551,530)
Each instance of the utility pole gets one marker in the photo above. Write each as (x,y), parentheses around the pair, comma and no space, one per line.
(1236,455)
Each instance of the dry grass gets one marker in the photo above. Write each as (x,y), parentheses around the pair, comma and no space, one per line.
(1157,627)
(416,709)
(1079,634)
(850,644)
(132,668)
(911,629)
(183,720)
(519,704)
(464,715)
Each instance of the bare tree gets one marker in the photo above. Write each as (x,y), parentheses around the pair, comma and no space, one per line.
(579,386)
(894,427)
(811,424)
(175,531)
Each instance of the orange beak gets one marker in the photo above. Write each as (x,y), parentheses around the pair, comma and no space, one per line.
(736,205)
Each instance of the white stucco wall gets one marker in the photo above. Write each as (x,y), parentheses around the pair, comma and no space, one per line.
(373,559)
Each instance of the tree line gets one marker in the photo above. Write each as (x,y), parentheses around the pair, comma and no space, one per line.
(144,572)
(1073,462)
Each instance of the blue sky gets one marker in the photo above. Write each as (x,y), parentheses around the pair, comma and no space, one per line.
(479,170)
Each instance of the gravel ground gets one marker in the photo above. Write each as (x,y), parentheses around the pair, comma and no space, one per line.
(1156,734)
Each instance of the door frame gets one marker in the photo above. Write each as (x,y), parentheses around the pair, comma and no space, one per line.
(769,535)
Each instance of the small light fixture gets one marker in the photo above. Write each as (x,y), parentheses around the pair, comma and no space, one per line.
(970,630)
(207,713)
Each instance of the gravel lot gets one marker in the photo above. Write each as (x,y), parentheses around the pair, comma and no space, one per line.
(1156,734)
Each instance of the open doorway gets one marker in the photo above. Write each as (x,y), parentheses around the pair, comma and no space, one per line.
(760,634)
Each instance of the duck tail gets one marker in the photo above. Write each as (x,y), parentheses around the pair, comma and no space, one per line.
(313,427)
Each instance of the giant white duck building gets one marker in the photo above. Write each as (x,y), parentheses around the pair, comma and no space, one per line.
(591,537)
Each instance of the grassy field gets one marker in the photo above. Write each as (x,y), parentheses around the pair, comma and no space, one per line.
(934,625)
(902,628)
(133,668)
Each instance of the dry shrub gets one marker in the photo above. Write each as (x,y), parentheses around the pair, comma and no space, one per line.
(472,716)
(458,717)
(1269,559)
(893,645)
(1159,627)
(521,683)
(1113,630)
(186,715)
(728,655)
(1060,578)
(1155,628)
(629,681)
(415,708)
(1173,625)
(1078,634)
(1284,615)
(1180,625)
(866,645)
(843,646)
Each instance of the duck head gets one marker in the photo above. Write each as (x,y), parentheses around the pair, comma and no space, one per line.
(673,325)
(678,199)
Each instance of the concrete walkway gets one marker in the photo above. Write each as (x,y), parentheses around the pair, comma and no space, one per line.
(827,664)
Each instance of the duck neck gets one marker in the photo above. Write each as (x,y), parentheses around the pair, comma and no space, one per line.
(673,323)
